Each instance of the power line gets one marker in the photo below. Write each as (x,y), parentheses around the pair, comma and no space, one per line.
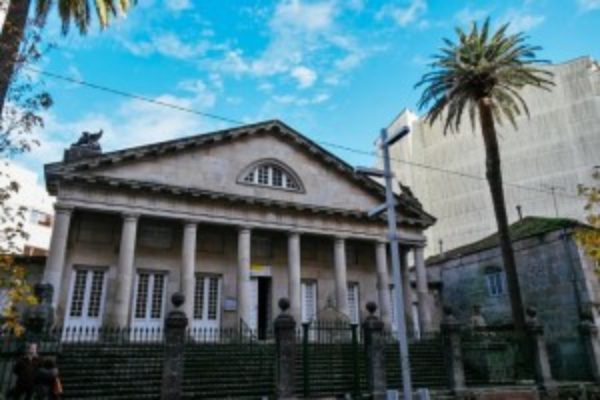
(238,122)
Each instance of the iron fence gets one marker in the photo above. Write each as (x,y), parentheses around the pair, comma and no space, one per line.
(494,356)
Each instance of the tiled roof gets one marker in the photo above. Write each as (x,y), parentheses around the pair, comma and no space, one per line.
(523,229)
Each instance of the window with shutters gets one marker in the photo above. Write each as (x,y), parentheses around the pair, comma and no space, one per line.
(271,173)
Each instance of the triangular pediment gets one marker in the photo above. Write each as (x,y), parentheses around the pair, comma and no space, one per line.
(217,162)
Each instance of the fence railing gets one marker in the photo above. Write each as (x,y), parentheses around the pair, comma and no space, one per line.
(497,356)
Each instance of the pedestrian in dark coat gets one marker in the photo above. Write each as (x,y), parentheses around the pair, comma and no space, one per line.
(25,370)
(47,381)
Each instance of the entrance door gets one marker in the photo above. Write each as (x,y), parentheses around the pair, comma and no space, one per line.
(207,310)
(260,316)
(149,304)
(86,303)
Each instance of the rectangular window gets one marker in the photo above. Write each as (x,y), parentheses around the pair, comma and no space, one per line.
(212,242)
(199,298)
(207,299)
(213,297)
(142,295)
(353,302)
(96,294)
(309,300)
(78,293)
(155,236)
(157,296)
(495,283)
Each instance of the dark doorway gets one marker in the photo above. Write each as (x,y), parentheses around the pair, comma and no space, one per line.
(264,307)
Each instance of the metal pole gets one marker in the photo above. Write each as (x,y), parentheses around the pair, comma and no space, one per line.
(393,237)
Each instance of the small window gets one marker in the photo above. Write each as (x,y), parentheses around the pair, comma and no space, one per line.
(271,174)
(495,283)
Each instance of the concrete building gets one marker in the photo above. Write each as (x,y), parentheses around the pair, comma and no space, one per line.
(554,150)
(235,220)
(556,277)
(38,210)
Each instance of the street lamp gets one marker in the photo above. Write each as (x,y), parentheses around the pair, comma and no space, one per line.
(390,207)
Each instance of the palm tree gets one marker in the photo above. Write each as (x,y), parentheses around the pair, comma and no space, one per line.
(483,74)
(70,11)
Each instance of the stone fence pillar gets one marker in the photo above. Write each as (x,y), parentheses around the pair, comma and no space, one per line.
(543,374)
(375,350)
(175,327)
(451,331)
(285,350)
(589,331)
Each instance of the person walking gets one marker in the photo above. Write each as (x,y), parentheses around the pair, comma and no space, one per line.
(25,370)
(48,385)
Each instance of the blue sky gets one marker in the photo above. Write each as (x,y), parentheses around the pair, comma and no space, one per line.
(336,70)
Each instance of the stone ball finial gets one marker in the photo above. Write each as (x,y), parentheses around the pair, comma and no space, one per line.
(177,299)
(447,310)
(371,307)
(284,304)
(531,312)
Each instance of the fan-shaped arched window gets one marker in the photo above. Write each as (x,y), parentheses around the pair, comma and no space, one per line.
(273,174)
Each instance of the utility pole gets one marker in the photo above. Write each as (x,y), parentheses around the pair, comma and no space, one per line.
(390,207)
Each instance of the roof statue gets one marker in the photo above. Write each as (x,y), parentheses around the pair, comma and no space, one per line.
(88,145)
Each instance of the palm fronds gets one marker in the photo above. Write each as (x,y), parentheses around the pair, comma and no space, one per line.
(481,64)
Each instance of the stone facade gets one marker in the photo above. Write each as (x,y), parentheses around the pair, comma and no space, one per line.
(557,146)
(132,221)
(555,277)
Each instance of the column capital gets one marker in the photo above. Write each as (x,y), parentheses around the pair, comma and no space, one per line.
(244,228)
(339,239)
(60,208)
(189,223)
(130,216)
(293,232)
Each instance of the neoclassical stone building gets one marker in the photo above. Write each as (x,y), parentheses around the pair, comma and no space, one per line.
(234,219)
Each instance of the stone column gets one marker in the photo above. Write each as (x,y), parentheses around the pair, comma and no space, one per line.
(285,345)
(173,353)
(375,351)
(422,291)
(55,263)
(188,267)
(341,280)
(125,271)
(453,352)
(243,275)
(406,289)
(589,331)
(294,275)
(383,283)
(543,374)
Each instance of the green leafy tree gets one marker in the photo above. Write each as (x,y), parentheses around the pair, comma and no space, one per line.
(76,12)
(482,74)
(20,118)
(589,237)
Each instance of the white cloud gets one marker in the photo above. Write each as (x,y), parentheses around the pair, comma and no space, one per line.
(404,16)
(520,21)
(170,45)
(131,123)
(306,77)
(588,5)
(300,16)
(178,5)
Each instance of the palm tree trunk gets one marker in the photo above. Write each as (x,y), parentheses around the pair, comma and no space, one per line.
(494,177)
(10,41)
